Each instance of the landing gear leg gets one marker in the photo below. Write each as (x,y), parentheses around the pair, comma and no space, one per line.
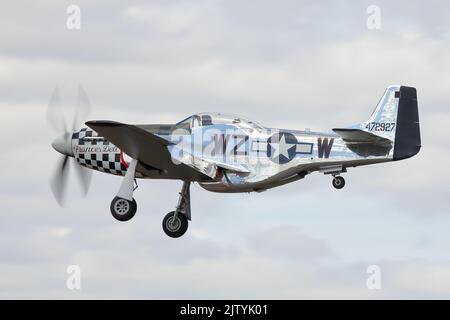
(338,182)
(175,223)
(123,206)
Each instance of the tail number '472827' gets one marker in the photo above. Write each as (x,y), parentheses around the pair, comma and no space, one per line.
(380,126)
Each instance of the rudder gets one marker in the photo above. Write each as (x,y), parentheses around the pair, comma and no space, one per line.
(407,134)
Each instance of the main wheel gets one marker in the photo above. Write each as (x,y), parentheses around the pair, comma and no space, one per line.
(123,209)
(338,182)
(175,228)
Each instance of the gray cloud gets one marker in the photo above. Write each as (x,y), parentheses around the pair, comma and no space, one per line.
(288,242)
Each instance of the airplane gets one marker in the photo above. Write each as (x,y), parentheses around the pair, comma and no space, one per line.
(228,153)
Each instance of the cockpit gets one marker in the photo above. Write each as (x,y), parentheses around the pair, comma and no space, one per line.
(215,118)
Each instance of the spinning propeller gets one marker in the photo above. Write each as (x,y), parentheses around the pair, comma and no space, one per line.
(63,144)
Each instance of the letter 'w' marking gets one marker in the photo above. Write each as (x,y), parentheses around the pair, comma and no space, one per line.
(324,147)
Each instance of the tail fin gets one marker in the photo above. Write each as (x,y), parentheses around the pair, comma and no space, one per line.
(396,117)
(383,121)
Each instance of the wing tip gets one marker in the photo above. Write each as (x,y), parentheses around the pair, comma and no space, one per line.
(102,123)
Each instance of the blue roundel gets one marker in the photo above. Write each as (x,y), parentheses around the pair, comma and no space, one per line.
(281,147)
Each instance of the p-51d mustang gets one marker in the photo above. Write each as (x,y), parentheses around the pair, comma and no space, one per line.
(227,153)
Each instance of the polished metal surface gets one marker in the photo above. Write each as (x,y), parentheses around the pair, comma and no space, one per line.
(229,153)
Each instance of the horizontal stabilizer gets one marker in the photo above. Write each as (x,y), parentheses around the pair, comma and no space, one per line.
(357,136)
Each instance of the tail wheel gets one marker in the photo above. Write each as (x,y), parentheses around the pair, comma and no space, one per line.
(175,228)
(123,209)
(338,182)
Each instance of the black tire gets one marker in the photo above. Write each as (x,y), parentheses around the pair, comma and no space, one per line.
(338,182)
(180,227)
(123,209)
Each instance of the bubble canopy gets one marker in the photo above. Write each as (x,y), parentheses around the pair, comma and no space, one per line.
(216,118)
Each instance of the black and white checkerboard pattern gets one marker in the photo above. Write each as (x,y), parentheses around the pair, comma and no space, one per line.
(108,162)
(78,138)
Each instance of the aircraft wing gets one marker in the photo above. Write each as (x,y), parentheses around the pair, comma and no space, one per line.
(134,141)
(206,166)
(357,136)
(144,146)
(234,167)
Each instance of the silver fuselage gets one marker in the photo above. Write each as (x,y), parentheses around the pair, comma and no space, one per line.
(228,153)
(301,153)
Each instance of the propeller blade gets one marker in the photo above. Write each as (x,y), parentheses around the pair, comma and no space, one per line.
(84,176)
(83,108)
(58,182)
(54,112)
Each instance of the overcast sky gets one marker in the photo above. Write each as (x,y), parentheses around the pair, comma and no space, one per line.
(290,64)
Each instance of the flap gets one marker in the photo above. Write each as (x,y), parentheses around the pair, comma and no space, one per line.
(206,166)
(230,167)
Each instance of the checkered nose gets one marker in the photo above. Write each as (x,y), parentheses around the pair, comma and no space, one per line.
(63,144)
